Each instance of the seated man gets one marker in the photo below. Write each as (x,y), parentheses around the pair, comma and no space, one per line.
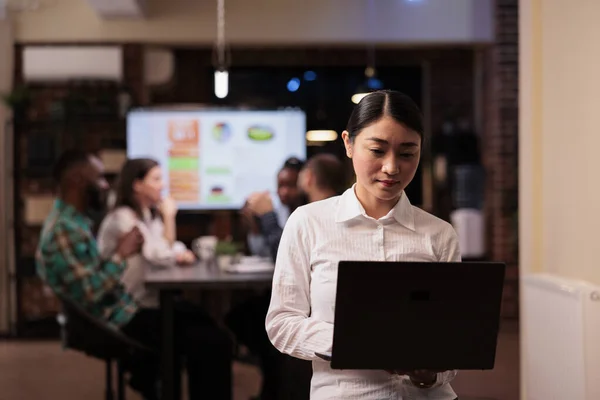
(322,177)
(69,262)
(288,199)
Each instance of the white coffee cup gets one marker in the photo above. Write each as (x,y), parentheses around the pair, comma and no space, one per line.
(205,247)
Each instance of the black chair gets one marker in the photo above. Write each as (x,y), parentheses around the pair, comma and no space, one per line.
(81,331)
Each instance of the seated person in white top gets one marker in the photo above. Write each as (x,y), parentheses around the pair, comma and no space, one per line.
(139,203)
(288,198)
(206,348)
(373,220)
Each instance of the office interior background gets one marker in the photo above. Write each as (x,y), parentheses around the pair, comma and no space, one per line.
(507,88)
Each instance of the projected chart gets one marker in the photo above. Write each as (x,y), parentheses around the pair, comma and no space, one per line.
(215,159)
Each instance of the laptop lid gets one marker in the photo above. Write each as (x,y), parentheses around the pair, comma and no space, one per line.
(416,315)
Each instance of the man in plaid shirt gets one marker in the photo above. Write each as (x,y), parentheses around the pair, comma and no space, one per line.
(67,257)
(68,260)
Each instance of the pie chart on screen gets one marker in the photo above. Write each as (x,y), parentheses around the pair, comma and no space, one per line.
(221,132)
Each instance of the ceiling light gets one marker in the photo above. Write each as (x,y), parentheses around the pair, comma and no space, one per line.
(357,97)
(221,83)
(220,51)
(293,85)
(321,136)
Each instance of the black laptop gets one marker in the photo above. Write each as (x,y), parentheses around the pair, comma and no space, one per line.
(416,315)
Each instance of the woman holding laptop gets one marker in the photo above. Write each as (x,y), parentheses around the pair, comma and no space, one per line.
(372,221)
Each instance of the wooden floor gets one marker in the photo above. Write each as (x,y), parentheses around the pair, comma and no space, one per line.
(42,370)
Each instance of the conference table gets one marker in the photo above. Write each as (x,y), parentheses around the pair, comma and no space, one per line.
(200,277)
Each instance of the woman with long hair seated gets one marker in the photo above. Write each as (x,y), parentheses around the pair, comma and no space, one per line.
(139,203)
(206,348)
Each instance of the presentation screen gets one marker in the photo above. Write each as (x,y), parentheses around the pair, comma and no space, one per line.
(213,159)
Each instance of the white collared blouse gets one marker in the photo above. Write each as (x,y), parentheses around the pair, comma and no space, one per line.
(300,317)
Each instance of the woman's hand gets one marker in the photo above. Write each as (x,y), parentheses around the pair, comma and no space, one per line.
(185,258)
(168,207)
(421,377)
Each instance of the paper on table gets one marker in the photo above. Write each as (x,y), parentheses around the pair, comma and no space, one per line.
(252,267)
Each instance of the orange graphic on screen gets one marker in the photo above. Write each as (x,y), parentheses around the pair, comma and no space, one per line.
(185,133)
(184,163)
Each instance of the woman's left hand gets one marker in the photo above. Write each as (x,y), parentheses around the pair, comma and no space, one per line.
(185,258)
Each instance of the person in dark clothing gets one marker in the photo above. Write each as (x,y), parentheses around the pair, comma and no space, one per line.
(287,200)
(322,177)
(206,350)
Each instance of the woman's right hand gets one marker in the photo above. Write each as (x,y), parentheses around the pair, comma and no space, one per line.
(168,207)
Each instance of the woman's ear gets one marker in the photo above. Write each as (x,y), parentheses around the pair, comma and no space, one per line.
(347,143)
(136,186)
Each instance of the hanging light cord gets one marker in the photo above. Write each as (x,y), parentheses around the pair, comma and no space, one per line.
(221,48)
(370,70)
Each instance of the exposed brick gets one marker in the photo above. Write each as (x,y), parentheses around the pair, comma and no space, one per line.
(510,291)
(500,147)
(512,272)
(510,309)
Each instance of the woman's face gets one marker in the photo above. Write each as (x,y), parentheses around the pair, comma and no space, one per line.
(385,156)
(150,188)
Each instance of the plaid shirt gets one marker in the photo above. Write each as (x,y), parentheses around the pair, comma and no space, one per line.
(68,260)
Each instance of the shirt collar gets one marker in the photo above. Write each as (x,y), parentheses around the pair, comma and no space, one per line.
(67,211)
(349,208)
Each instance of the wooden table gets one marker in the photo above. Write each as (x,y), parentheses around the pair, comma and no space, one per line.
(200,277)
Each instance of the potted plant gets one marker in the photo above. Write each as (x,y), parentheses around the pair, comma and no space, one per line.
(18,100)
(226,252)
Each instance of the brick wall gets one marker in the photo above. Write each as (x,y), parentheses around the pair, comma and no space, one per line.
(133,68)
(6,65)
(500,141)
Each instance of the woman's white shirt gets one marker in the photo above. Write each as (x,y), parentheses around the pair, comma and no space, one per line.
(300,317)
(157,252)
